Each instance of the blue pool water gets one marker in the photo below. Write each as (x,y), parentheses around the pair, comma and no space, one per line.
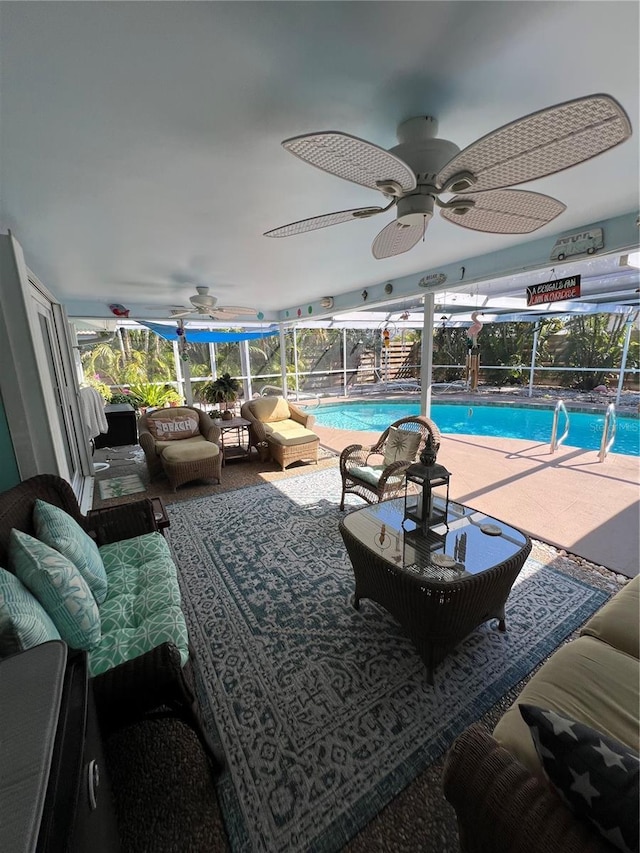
(525,423)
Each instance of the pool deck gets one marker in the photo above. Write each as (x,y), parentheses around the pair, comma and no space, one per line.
(568,499)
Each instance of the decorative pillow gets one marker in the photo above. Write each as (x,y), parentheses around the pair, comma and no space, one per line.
(56,528)
(173,429)
(594,774)
(401,445)
(23,621)
(59,587)
(270,409)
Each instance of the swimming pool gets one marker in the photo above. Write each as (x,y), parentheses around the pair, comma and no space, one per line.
(531,424)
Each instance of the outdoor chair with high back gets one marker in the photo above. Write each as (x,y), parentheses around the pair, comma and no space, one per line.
(376,472)
(280,430)
(183,442)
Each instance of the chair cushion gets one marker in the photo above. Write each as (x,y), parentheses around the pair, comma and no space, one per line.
(189,452)
(401,445)
(595,775)
(143,605)
(270,409)
(289,433)
(24,623)
(173,424)
(617,622)
(56,528)
(59,587)
(369,473)
(196,439)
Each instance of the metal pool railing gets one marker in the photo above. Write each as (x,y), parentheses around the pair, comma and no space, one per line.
(555,441)
(607,443)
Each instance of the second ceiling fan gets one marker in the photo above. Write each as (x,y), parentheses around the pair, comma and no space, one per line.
(414,174)
(206,305)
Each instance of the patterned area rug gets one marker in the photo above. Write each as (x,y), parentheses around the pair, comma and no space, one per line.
(323,711)
(116,487)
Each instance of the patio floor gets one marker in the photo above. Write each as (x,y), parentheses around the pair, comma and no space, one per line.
(568,498)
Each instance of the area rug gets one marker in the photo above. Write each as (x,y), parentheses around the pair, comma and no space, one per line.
(324,712)
(116,487)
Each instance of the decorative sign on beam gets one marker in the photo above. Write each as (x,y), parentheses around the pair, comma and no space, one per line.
(554,291)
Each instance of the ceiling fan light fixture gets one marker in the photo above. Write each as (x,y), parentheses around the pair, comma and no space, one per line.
(415,209)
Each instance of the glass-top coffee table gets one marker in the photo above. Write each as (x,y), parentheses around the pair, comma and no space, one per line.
(439,586)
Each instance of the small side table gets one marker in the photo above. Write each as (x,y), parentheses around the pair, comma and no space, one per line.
(234,438)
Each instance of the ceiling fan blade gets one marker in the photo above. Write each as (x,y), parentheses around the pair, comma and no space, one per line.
(323,221)
(394,239)
(503,211)
(540,144)
(232,311)
(182,313)
(351,158)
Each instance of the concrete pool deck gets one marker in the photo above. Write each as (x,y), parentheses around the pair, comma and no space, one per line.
(568,499)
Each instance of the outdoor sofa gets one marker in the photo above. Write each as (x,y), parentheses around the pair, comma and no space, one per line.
(137,647)
(585,799)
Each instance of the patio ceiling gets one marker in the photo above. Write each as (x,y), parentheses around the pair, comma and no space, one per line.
(141,142)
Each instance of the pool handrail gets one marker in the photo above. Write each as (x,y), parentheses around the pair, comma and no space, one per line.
(276,390)
(555,441)
(609,418)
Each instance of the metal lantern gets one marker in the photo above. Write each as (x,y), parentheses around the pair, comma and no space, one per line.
(419,506)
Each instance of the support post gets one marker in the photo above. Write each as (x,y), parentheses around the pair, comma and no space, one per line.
(623,361)
(283,361)
(344,361)
(295,359)
(426,358)
(245,366)
(536,332)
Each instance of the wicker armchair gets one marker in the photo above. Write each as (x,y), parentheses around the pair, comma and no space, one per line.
(151,680)
(372,472)
(280,430)
(194,457)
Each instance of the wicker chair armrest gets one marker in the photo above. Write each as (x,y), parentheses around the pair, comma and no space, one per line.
(307,420)
(146,440)
(115,523)
(355,456)
(139,685)
(395,470)
(213,434)
(502,807)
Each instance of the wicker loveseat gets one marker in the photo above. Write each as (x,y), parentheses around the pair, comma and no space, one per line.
(280,430)
(496,783)
(183,442)
(141,660)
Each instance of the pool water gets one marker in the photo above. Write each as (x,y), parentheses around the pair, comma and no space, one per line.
(530,424)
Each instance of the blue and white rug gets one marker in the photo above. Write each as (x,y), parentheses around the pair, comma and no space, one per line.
(324,712)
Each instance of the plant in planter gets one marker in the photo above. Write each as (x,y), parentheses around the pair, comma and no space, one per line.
(225,389)
(148,395)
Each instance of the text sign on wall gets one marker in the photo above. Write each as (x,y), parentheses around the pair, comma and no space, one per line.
(554,291)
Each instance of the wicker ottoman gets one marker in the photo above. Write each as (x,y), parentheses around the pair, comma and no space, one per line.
(184,462)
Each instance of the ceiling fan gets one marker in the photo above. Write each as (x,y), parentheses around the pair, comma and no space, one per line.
(206,305)
(421,168)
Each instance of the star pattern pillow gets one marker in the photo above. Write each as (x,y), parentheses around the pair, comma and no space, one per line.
(594,774)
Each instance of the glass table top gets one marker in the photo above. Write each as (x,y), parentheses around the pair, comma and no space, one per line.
(467,543)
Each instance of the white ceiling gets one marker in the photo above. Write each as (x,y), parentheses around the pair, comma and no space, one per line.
(140,141)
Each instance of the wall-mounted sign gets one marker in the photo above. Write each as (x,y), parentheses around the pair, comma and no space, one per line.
(554,291)
(433,278)
(580,243)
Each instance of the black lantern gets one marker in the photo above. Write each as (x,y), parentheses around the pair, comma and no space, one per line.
(419,505)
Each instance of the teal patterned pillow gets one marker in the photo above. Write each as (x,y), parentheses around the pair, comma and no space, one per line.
(59,587)
(23,621)
(56,528)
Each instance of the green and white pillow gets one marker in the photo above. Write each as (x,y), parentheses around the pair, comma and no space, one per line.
(23,621)
(401,445)
(59,587)
(57,529)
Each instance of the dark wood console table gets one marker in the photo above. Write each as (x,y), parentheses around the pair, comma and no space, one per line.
(441,586)
(54,790)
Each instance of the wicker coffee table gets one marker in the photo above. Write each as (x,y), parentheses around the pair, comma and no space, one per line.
(439,587)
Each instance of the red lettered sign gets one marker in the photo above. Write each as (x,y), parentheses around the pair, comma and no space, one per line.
(554,291)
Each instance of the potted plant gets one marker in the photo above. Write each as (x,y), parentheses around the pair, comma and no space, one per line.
(225,389)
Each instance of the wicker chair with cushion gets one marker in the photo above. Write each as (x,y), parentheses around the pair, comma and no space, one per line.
(280,430)
(183,442)
(104,582)
(376,472)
